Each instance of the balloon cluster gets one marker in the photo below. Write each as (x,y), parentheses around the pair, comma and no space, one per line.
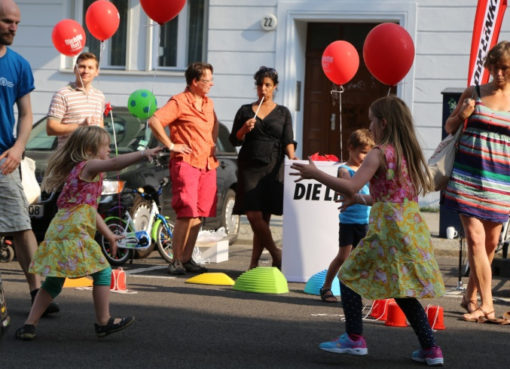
(103,19)
(388,53)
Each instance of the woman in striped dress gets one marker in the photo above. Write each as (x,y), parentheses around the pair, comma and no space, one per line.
(479,188)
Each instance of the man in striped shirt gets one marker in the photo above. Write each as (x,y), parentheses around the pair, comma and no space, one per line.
(78,103)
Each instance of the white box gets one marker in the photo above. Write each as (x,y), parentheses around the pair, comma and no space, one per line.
(213,252)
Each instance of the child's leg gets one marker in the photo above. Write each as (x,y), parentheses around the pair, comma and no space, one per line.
(416,316)
(335,265)
(105,324)
(353,307)
(50,289)
(101,295)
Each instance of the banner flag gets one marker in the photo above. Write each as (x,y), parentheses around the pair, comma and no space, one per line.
(488,19)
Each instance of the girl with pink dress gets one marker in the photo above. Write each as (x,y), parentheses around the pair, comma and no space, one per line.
(69,248)
(396,258)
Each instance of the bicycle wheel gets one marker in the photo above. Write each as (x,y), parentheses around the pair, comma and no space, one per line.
(6,253)
(229,220)
(164,241)
(504,239)
(140,212)
(117,226)
(465,259)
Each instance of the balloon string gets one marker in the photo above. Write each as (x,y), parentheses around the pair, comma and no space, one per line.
(339,91)
(114,134)
(389,90)
(340,122)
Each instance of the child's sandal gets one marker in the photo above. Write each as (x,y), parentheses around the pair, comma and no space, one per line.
(327,295)
(112,327)
(26,333)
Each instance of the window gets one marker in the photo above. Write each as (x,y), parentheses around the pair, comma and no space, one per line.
(174,45)
(181,41)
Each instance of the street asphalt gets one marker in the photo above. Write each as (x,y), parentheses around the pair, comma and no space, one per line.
(185,325)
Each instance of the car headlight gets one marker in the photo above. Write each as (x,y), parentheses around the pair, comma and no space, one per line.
(112,187)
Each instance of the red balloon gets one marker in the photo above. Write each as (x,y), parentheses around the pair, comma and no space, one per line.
(68,37)
(389,53)
(162,11)
(340,62)
(102,19)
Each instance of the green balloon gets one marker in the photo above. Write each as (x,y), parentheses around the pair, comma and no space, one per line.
(142,104)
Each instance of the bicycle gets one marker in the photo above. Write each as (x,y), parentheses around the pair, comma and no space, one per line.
(6,250)
(142,227)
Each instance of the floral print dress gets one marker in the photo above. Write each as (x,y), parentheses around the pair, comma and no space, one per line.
(69,248)
(396,258)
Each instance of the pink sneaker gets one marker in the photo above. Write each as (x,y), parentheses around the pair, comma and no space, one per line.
(432,356)
(344,345)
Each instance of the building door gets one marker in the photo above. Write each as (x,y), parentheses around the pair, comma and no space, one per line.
(321,114)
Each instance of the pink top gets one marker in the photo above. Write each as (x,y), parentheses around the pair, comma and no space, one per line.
(77,191)
(386,187)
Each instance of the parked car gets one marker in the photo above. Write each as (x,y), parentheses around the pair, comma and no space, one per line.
(131,134)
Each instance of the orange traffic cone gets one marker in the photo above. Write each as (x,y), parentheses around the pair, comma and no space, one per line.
(379,309)
(396,317)
(118,282)
(435,316)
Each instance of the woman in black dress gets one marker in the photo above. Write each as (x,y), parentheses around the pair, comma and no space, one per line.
(264,129)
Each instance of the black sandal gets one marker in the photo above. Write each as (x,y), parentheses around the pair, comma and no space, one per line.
(26,333)
(327,295)
(112,327)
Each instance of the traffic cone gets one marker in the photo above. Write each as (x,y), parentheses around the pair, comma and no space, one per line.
(118,282)
(435,316)
(396,317)
(379,309)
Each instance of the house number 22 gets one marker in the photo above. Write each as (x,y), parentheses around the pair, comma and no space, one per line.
(269,22)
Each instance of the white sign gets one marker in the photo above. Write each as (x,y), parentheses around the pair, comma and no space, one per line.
(269,22)
(310,224)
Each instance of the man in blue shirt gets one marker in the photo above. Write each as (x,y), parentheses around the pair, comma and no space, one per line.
(16,83)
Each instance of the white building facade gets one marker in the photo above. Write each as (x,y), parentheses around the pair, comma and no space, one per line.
(238,36)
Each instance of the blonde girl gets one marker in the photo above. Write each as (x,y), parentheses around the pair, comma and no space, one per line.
(69,248)
(396,258)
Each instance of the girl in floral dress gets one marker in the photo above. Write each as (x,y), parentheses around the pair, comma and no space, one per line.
(396,258)
(69,248)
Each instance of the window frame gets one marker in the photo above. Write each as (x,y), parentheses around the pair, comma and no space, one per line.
(182,42)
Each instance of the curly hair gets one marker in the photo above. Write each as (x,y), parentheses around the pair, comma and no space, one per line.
(264,72)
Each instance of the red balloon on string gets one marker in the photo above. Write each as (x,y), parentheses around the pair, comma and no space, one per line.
(388,53)
(162,11)
(102,19)
(68,37)
(340,62)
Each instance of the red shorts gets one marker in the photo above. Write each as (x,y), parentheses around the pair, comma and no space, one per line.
(193,190)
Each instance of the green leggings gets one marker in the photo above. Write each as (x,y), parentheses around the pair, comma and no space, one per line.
(53,285)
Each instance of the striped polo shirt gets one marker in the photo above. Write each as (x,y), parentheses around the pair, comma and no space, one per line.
(74,105)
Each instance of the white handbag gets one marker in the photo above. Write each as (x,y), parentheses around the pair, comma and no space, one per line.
(441,162)
(30,185)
